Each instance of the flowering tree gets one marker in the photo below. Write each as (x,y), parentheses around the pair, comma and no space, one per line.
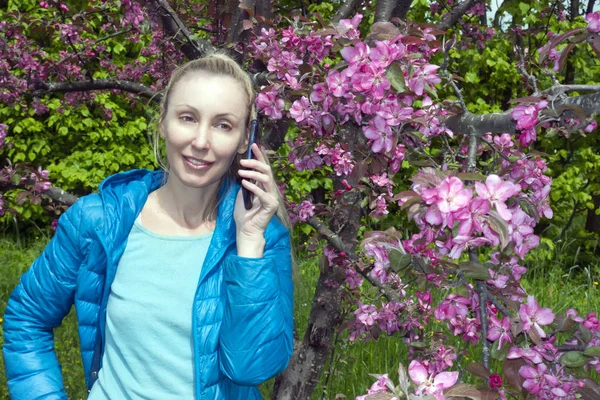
(375,114)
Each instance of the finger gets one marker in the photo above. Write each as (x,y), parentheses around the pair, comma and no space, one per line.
(256,164)
(258,153)
(255,175)
(268,201)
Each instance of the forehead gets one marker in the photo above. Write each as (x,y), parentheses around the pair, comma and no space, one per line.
(210,93)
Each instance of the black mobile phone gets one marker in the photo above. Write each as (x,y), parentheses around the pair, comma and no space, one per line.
(254,137)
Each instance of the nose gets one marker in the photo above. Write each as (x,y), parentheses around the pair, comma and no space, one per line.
(203,137)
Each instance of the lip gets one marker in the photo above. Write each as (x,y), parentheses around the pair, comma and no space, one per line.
(205,164)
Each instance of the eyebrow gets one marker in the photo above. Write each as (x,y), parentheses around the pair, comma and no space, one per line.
(218,115)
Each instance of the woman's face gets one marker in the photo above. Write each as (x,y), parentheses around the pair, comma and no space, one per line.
(204,128)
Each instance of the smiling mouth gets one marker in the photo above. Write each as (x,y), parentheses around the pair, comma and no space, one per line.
(197,164)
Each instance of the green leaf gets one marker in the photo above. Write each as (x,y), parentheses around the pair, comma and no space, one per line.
(474,270)
(593,351)
(574,359)
(524,7)
(396,77)
(399,261)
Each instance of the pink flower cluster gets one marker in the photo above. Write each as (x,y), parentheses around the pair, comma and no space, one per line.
(429,383)
(593,20)
(527,119)
(3,133)
(479,220)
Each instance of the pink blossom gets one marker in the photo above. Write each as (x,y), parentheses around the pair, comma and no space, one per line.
(451,306)
(591,127)
(356,56)
(380,133)
(495,381)
(380,207)
(521,226)
(337,83)
(305,210)
(535,377)
(452,195)
(397,157)
(300,109)
(593,20)
(526,116)
(385,53)
(424,76)
(497,192)
(366,314)
(319,93)
(371,79)
(530,355)
(348,28)
(471,216)
(3,133)
(270,104)
(499,330)
(534,317)
(528,243)
(429,384)
(527,137)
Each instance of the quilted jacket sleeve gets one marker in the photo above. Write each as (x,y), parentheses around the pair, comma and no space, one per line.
(257,330)
(38,305)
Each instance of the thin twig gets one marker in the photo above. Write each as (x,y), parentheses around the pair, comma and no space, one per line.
(495,149)
(492,299)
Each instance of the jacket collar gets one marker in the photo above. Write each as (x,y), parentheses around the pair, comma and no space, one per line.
(125,194)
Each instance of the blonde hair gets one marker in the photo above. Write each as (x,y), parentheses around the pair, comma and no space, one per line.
(220,64)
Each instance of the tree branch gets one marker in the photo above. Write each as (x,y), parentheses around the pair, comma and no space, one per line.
(60,196)
(331,237)
(384,9)
(345,10)
(401,9)
(590,7)
(98,84)
(173,26)
(452,16)
(503,123)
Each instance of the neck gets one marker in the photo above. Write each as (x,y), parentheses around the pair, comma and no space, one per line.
(188,207)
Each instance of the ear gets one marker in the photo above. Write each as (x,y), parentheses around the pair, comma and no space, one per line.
(161,129)
(244,144)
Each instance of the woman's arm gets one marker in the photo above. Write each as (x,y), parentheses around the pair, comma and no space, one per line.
(257,329)
(38,305)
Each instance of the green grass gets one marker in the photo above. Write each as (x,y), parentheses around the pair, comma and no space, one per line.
(553,285)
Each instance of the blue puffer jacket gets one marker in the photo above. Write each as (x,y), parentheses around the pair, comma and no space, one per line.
(242,321)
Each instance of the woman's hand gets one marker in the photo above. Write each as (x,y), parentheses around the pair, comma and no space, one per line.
(251,224)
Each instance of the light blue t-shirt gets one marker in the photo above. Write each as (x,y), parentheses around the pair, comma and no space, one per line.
(149,348)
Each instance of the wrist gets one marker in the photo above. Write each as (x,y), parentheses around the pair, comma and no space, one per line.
(250,246)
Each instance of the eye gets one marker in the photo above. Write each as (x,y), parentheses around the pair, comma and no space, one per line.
(186,118)
(224,126)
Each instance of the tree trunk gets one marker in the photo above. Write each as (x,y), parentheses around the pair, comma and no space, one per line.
(401,9)
(299,380)
(570,68)
(592,222)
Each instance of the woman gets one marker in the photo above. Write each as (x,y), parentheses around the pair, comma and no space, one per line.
(180,292)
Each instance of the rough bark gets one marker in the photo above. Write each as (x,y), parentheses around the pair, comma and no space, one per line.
(174,27)
(592,222)
(590,7)
(401,9)
(298,381)
(60,196)
(503,123)
(452,16)
(570,67)
(384,9)
(98,84)
(235,32)
(345,10)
